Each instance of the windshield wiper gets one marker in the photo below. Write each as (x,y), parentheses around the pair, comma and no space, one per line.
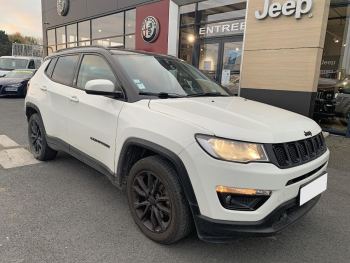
(162,95)
(208,94)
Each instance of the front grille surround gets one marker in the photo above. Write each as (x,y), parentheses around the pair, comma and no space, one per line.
(291,154)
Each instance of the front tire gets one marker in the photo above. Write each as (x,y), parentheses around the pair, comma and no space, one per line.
(157,202)
(37,140)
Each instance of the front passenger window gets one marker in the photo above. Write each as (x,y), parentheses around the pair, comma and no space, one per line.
(94,67)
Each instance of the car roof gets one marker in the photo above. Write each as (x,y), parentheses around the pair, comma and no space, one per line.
(24,69)
(111,50)
(20,57)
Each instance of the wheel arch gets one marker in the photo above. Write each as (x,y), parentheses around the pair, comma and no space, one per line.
(31,109)
(123,168)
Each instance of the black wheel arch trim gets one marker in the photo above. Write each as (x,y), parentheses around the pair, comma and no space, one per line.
(32,106)
(169,155)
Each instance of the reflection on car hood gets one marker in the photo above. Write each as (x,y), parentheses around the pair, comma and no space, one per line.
(3,72)
(238,118)
(9,81)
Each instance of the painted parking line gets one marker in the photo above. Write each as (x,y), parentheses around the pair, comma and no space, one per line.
(12,158)
(6,142)
(13,155)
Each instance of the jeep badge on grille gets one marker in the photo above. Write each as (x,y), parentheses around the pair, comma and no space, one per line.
(308,133)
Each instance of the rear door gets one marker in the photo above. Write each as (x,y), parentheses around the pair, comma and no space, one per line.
(58,89)
(93,119)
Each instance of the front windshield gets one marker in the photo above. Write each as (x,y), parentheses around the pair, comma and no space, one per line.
(13,63)
(20,74)
(151,74)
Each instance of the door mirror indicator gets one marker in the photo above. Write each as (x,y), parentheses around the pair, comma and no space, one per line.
(102,87)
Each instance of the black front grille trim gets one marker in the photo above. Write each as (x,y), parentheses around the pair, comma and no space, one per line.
(291,154)
(305,176)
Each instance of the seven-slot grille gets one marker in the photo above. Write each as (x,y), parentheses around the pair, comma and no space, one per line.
(292,154)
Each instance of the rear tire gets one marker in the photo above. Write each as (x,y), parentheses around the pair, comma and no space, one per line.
(37,139)
(157,202)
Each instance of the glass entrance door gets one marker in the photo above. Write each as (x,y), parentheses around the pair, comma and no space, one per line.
(208,60)
(221,61)
(231,65)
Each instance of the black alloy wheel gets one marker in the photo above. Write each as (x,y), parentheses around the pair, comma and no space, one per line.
(151,202)
(36,139)
(157,202)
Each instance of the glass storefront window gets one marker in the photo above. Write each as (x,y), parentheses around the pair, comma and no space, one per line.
(130,42)
(187,40)
(107,26)
(188,14)
(211,38)
(109,42)
(84,33)
(208,60)
(51,38)
(61,35)
(72,36)
(108,31)
(62,46)
(130,21)
(51,41)
(215,10)
(332,104)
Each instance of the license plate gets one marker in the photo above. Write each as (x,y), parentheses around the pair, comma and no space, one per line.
(313,189)
(11,89)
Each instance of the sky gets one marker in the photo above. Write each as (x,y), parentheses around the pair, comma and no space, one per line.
(22,16)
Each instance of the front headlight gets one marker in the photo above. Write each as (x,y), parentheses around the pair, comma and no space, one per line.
(234,151)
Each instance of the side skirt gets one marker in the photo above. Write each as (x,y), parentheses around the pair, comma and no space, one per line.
(60,145)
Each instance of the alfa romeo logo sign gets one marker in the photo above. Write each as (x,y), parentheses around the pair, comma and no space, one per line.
(150,29)
(62,7)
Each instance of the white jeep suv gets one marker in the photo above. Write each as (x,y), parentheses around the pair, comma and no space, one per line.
(186,151)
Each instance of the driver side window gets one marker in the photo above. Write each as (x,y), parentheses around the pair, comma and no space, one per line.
(94,67)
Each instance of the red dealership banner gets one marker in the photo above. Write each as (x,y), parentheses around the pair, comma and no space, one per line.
(152,26)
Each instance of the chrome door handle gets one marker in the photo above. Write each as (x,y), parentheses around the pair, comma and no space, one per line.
(43,88)
(74,99)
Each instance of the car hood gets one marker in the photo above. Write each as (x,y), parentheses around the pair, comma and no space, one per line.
(238,118)
(9,81)
(3,72)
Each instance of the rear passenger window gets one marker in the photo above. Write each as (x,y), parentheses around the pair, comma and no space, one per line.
(50,67)
(64,70)
(94,67)
(31,65)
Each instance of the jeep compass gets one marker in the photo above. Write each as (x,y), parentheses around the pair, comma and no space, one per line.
(188,154)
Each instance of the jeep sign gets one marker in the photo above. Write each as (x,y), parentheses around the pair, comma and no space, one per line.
(289,8)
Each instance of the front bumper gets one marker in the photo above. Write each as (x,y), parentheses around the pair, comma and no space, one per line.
(212,230)
(20,92)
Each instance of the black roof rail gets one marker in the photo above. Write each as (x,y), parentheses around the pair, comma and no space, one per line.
(80,47)
(109,49)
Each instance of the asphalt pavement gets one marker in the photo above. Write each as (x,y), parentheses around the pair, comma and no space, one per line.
(64,211)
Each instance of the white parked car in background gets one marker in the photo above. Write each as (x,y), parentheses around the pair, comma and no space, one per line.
(186,151)
(9,63)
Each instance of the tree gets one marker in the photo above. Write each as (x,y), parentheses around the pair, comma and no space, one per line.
(20,39)
(5,44)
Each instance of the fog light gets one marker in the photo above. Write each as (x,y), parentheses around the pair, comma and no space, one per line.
(242,199)
(241,191)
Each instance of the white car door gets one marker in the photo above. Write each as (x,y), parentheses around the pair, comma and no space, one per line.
(58,86)
(93,119)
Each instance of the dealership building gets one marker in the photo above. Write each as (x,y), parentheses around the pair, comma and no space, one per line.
(282,52)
